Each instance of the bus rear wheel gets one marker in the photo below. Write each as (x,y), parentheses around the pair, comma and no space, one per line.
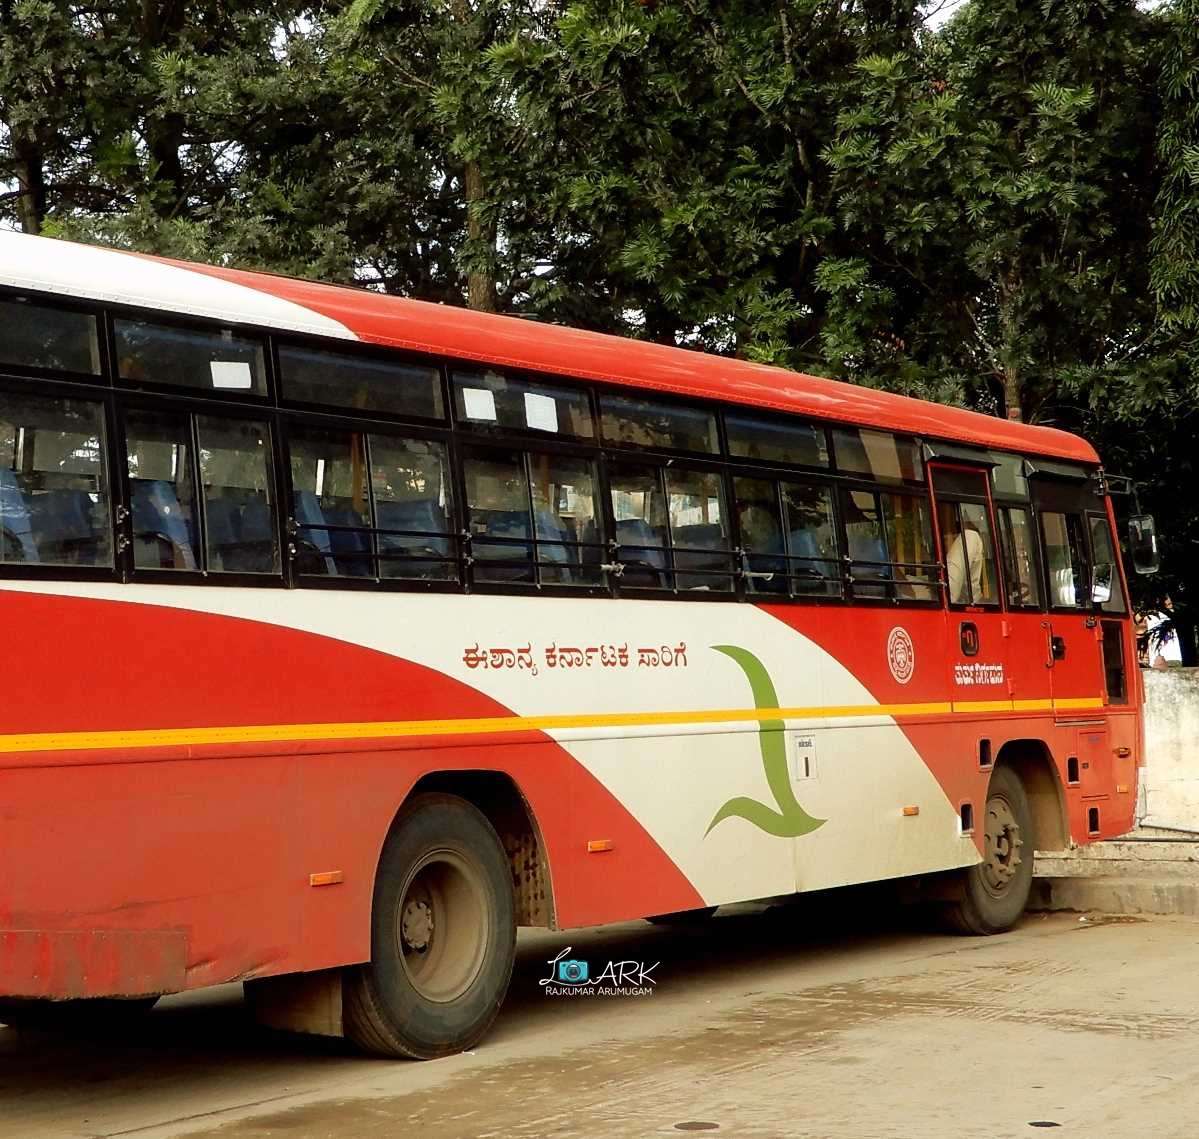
(993,894)
(443,935)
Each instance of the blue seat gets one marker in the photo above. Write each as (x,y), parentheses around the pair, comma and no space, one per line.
(311,518)
(552,536)
(158,517)
(16,524)
(516,549)
(702,546)
(643,551)
(63,527)
(425,520)
(864,549)
(241,534)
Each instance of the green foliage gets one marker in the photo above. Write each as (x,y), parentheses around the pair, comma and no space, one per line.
(1003,213)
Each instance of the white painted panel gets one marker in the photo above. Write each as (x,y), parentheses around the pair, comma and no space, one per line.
(98,274)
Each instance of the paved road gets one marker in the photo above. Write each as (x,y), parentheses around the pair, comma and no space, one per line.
(763,1024)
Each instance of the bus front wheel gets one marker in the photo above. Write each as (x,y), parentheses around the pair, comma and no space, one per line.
(443,935)
(993,894)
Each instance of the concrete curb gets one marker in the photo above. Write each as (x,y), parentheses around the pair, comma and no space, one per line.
(1123,876)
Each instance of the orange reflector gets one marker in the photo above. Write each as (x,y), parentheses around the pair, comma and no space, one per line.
(327,878)
(910,812)
(1121,788)
(598,845)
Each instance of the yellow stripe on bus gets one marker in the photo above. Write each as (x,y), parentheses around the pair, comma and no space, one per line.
(394,729)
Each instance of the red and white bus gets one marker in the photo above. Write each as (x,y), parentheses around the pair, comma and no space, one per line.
(347,633)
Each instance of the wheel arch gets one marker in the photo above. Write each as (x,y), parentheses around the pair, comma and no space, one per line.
(1031,760)
(498,797)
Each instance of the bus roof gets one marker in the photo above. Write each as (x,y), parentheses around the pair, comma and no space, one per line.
(342,312)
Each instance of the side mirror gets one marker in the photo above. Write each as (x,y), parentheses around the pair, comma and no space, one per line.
(1102,577)
(1142,543)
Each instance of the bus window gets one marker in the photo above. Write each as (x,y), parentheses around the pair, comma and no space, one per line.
(969,553)
(877,455)
(703,559)
(867,546)
(330,503)
(569,542)
(648,423)
(497,497)
(491,399)
(1065,552)
(639,509)
(1103,552)
(54,507)
(775,438)
(37,336)
(212,359)
(811,545)
(1019,558)
(760,524)
(363,382)
(414,506)
(235,470)
(910,543)
(162,494)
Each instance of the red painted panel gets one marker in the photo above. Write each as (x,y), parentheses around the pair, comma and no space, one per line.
(510,342)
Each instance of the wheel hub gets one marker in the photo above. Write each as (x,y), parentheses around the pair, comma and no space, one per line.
(1003,842)
(417,924)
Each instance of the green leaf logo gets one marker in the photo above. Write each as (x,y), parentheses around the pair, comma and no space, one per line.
(789,820)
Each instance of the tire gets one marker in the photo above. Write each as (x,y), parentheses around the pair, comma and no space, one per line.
(85,1013)
(443,935)
(683,917)
(992,895)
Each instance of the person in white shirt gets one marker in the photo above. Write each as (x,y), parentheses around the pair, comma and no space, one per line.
(964,560)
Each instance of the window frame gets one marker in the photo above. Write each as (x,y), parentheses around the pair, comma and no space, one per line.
(31,386)
(398,356)
(958,499)
(286,421)
(1002,509)
(202,575)
(95,309)
(267,400)
(890,598)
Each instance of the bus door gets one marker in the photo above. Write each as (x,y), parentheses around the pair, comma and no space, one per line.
(977,644)
(1063,496)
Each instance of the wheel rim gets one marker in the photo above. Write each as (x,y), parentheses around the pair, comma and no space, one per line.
(1002,857)
(442,926)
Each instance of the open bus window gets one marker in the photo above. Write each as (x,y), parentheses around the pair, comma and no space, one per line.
(703,559)
(330,502)
(569,549)
(215,359)
(877,455)
(1103,552)
(39,336)
(1065,552)
(492,399)
(910,544)
(235,469)
(969,553)
(162,502)
(1019,564)
(54,504)
(362,382)
(414,507)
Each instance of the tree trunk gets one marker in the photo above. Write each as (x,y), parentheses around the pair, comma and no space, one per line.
(1011,393)
(161,25)
(480,234)
(31,185)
